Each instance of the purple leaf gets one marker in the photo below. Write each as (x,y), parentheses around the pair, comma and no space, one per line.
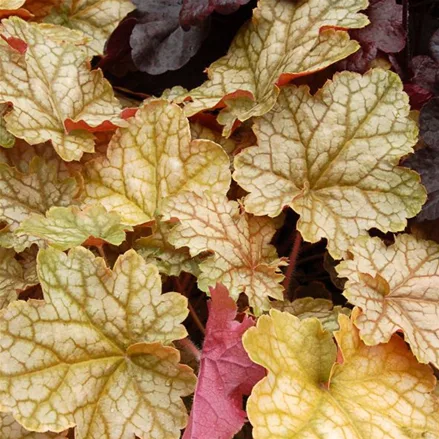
(429,123)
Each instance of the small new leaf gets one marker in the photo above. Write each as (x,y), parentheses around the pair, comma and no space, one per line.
(333,158)
(243,259)
(378,392)
(50,85)
(397,288)
(285,39)
(104,367)
(152,159)
(67,227)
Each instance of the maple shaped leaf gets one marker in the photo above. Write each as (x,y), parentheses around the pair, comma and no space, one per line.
(169,260)
(226,373)
(333,158)
(95,18)
(158,41)
(308,307)
(11,429)
(104,367)
(284,40)
(243,259)
(7,140)
(397,289)
(425,161)
(152,159)
(196,11)
(25,193)
(307,394)
(14,277)
(67,227)
(44,102)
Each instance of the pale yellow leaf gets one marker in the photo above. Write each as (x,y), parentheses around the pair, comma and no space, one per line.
(14,277)
(151,160)
(34,191)
(308,307)
(333,158)
(51,84)
(169,260)
(11,429)
(67,227)
(285,39)
(96,18)
(378,392)
(11,4)
(92,354)
(397,288)
(243,259)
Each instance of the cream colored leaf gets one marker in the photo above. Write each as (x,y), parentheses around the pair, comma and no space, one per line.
(153,159)
(11,429)
(378,392)
(333,158)
(92,354)
(285,39)
(14,277)
(7,140)
(243,259)
(308,307)
(169,260)
(11,4)
(96,18)
(67,227)
(397,288)
(35,191)
(51,84)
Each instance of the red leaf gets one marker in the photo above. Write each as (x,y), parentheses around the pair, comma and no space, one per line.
(226,373)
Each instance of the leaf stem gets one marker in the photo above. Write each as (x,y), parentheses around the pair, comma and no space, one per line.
(102,254)
(292,260)
(189,346)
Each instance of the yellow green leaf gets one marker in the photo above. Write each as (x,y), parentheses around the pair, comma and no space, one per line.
(308,307)
(67,227)
(35,191)
(152,159)
(54,64)
(11,429)
(243,259)
(333,158)
(285,39)
(96,18)
(7,140)
(14,277)
(378,392)
(397,289)
(171,261)
(92,354)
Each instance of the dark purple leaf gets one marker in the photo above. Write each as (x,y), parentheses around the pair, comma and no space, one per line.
(196,11)
(418,95)
(434,46)
(426,162)
(429,123)
(158,41)
(360,60)
(425,73)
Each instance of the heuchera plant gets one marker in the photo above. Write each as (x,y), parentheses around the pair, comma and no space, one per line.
(122,217)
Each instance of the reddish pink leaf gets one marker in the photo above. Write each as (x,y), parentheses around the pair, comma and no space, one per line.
(226,373)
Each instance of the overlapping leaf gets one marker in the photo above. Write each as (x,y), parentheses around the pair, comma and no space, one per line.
(92,354)
(378,392)
(50,85)
(226,373)
(35,190)
(96,18)
(285,39)
(333,158)
(429,123)
(169,260)
(153,159)
(67,227)
(308,307)
(13,7)
(11,429)
(14,277)
(243,259)
(397,288)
